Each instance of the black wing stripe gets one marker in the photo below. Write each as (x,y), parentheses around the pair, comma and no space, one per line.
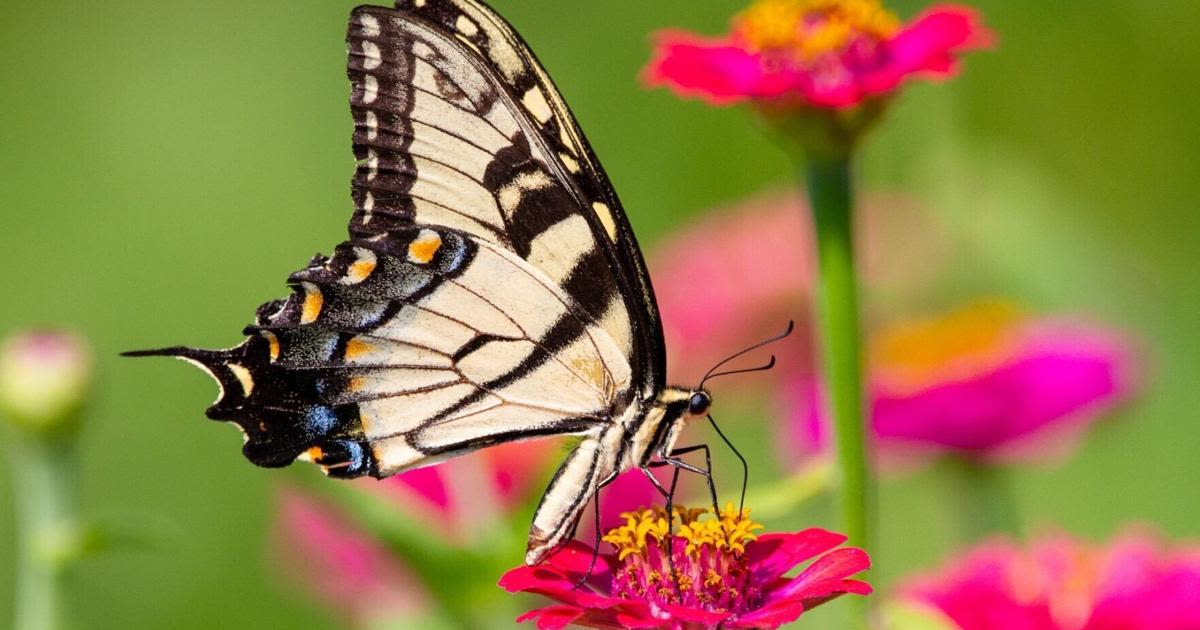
(524,79)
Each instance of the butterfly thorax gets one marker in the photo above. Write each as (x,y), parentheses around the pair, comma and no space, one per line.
(655,428)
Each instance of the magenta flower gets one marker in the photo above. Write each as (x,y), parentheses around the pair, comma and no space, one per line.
(984,380)
(725,575)
(828,54)
(1062,584)
(455,496)
(340,564)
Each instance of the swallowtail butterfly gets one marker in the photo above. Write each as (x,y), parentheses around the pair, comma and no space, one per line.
(491,289)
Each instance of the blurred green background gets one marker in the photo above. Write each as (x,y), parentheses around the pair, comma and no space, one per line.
(164,165)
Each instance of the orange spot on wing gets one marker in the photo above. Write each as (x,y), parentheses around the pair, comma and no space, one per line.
(360,270)
(424,247)
(357,348)
(273,342)
(313,301)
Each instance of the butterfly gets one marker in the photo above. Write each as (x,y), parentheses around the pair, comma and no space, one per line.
(491,289)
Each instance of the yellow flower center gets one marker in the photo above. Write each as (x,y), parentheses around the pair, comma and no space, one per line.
(701,563)
(956,345)
(811,28)
(649,527)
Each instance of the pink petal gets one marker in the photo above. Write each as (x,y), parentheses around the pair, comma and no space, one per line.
(711,69)
(552,617)
(827,575)
(517,466)
(771,616)
(339,562)
(772,555)
(428,484)
(557,576)
(1056,378)
(695,615)
(928,43)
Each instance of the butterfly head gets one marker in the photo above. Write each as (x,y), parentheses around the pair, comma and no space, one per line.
(699,402)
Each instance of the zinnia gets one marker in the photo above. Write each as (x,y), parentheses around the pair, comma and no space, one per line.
(1062,584)
(706,573)
(983,380)
(828,54)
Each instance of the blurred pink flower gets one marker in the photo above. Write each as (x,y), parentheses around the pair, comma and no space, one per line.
(493,484)
(727,576)
(1063,584)
(984,380)
(455,495)
(340,564)
(738,274)
(45,377)
(358,576)
(815,53)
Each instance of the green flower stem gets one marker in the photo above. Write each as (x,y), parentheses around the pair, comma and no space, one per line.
(986,502)
(45,475)
(828,180)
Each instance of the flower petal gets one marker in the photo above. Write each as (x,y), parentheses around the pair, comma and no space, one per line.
(929,42)
(827,575)
(552,617)
(711,69)
(697,616)
(772,555)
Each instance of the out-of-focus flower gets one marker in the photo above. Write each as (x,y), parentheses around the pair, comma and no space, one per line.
(485,486)
(45,376)
(465,505)
(1063,584)
(719,573)
(720,294)
(491,485)
(828,54)
(983,380)
(341,564)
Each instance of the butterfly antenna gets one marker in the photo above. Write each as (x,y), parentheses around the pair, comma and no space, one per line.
(745,466)
(791,325)
(762,368)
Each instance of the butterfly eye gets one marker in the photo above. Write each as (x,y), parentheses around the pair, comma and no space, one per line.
(699,402)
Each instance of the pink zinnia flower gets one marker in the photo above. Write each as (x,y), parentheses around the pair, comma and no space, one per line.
(340,564)
(725,575)
(983,380)
(1062,584)
(828,54)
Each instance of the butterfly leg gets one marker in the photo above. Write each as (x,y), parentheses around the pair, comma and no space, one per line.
(672,459)
(596,544)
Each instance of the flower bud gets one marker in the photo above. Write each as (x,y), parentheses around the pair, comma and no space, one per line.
(45,376)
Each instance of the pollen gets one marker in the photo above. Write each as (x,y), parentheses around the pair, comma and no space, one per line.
(422,248)
(700,561)
(812,28)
